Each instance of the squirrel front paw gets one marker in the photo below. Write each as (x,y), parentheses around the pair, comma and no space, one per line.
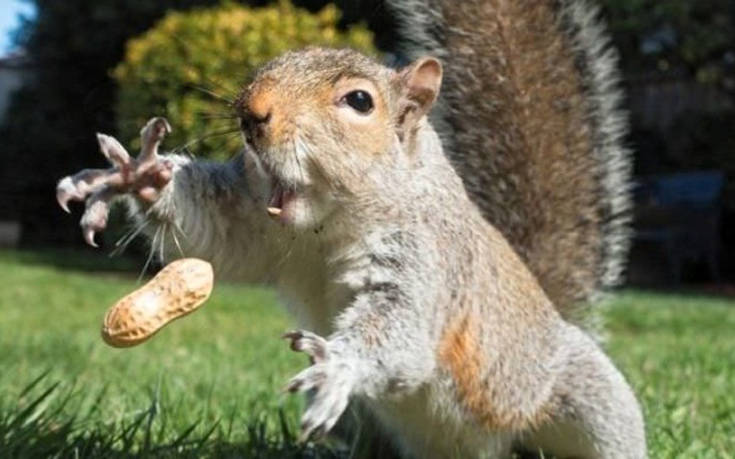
(143,176)
(329,382)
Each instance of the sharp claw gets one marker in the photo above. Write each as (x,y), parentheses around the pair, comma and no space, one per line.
(292,334)
(96,214)
(156,123)
(166,126)
(292,386)
(318,432)
(64,193)
(305,433)
(113,150)
(151,136)
(89,237)
(63,200)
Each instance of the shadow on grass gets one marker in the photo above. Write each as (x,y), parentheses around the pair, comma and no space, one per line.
(720,291)
(78,259)
(39,425)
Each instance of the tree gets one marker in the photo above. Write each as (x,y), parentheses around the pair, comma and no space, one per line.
(690,39)
(49,132)
(51,122)
(191,65)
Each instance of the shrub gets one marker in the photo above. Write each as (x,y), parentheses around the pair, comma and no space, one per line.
(190,63)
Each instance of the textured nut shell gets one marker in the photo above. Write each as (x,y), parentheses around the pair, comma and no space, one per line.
(177,290)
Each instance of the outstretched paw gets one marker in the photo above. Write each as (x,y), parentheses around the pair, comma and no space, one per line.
(329,382)
(151,136)
(143,177)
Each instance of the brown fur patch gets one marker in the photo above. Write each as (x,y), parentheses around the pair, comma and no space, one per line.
(462,354)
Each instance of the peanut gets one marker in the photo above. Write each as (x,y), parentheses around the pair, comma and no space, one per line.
(177,290)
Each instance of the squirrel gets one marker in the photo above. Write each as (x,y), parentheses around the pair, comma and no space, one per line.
(441,263)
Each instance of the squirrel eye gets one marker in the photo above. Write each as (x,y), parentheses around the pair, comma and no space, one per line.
(360,101)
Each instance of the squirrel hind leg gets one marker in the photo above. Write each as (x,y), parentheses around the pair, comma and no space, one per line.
(594,414)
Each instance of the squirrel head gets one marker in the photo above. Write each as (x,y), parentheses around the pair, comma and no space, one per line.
(319,121)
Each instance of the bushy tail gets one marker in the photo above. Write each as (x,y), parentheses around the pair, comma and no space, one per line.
(531,120)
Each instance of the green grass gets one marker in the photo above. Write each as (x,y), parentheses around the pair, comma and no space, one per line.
(210,383)
(678,352)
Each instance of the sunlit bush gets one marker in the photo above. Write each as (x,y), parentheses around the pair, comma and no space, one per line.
(191,63)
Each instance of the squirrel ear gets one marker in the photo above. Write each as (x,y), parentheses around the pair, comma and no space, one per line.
(419,88)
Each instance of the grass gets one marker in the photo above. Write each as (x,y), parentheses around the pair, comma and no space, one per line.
(209,384)
(678,352)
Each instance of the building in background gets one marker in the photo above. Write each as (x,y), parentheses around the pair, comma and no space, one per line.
(15,71)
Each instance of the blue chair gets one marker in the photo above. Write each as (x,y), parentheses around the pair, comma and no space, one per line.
(681,212)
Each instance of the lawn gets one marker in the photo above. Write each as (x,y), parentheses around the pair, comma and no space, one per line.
(210,383)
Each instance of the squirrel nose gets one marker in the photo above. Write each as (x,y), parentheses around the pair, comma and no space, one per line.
(254,120)
(258,108)
(254,124)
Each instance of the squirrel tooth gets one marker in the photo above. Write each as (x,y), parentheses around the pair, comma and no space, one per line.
(274,211)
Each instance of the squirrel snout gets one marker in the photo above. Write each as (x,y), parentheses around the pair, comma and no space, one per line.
(256,113)
(253,121)
(256,119)
(254,124)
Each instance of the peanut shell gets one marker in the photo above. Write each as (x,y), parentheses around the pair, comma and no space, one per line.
(177,290)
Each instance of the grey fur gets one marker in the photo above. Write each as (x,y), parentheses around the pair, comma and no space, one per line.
(419,308)
(598,63)
(426,30)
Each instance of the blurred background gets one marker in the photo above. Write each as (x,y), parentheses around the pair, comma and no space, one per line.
(72,68)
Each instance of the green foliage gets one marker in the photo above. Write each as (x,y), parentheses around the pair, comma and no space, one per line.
(697,37)
(189,62)
(72,45)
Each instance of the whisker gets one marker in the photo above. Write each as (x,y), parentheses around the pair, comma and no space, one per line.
(150,255)
(122,244)
(177,227)
(216,116)
(174,227)
(212,94)
(176,241)
(127,233)
(134,231)
(219,84)
(162,245)
(206,136)
(183,50)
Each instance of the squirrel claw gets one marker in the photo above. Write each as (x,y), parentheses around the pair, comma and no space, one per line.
(63,198)
(330,380)
(142,178)
(65,192)
(151,136)
(330,385)
(89,237)
(114,151)
(96,214)
(155,128)
(310,343)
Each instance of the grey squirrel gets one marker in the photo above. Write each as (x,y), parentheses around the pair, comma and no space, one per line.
(442,269)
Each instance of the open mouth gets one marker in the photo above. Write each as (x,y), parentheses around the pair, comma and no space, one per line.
(280,198)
